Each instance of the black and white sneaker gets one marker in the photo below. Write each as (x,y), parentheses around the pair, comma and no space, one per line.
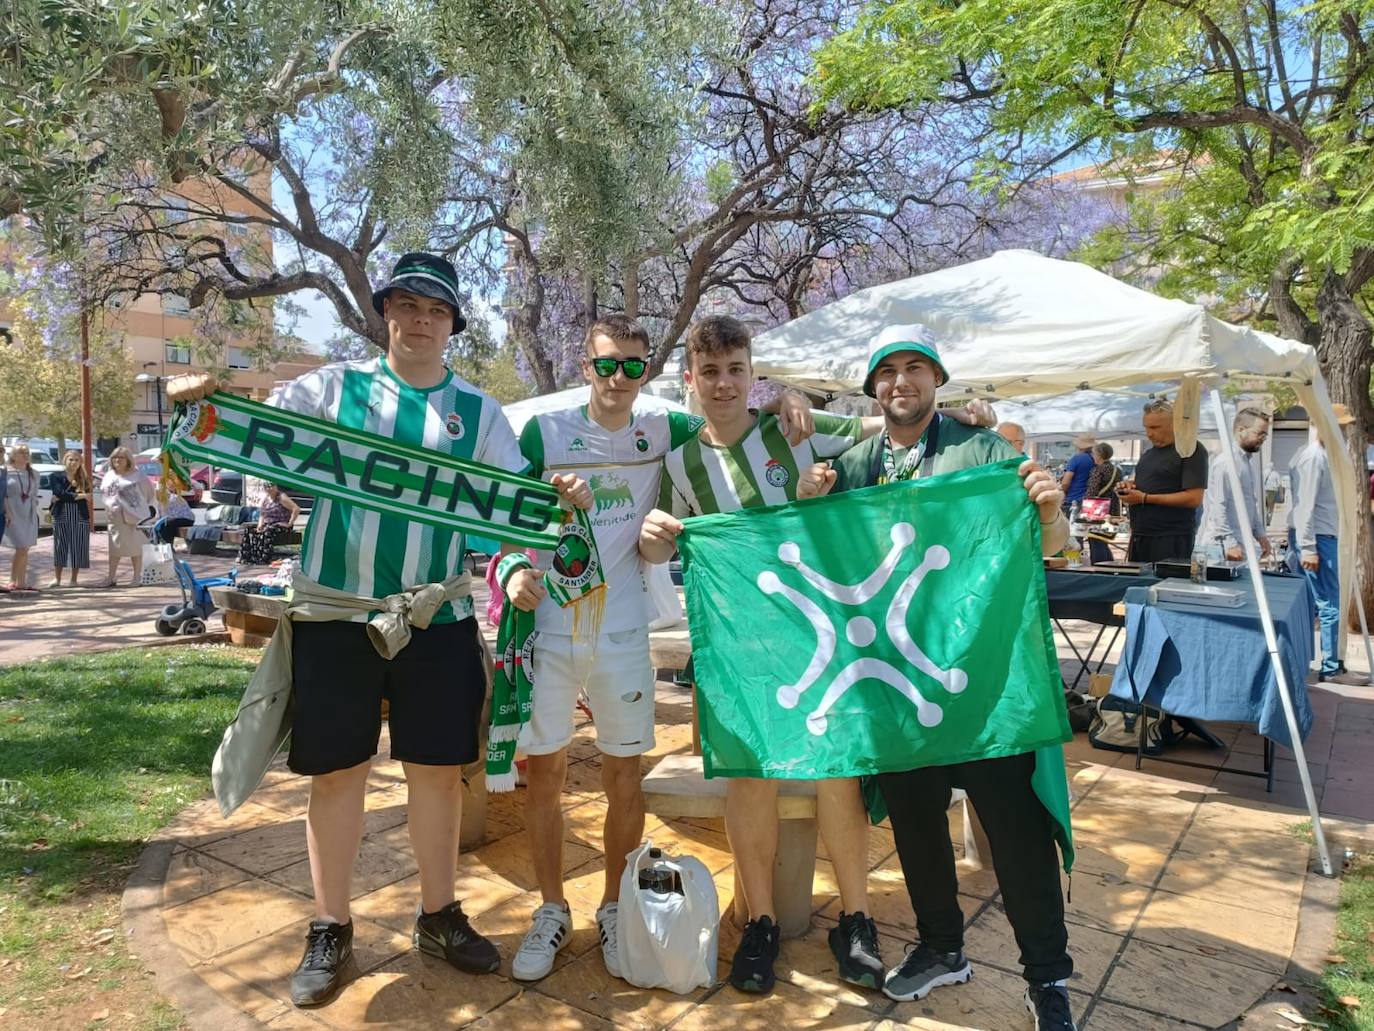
(448,936)
(854,944)
(923,971)
(1049,1006)
(550,930)
(320,972)
(752,968)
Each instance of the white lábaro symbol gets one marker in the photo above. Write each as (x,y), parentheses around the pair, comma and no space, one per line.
(860,631)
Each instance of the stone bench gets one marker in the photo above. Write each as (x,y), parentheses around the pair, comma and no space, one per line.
(234,535)
(677,788)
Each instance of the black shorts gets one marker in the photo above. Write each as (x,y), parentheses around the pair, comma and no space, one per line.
(436,685)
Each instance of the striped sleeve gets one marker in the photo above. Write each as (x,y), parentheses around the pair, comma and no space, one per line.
(532,446)
(835,434)
(670,498)
(497,444)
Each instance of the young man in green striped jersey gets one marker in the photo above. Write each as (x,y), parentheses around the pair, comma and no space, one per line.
(741,460)
(617,445)
(436,683)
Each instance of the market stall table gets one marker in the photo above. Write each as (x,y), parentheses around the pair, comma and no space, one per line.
(1090,594)
(1210,662)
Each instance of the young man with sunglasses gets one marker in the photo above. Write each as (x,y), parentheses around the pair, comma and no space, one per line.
(617,448)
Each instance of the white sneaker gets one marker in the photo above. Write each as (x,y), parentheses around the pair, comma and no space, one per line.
(550,930)
(606,923)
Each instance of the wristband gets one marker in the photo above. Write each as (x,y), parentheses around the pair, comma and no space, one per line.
(1144,498)
(508,566)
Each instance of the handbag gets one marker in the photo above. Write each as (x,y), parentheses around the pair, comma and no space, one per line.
(159,565)
(1116,727)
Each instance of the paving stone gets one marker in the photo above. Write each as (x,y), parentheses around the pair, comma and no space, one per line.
(989,940)
(510,858)
(202,824)
(808,963)
(191,875)
(262,850)
(1270,889)
(585,985)
(787,1007)
(1121,858)
(377,866)
(225,919)
(990,1001)
(265,964)
(1243,936)
(1102,902)
(394,905)
(1208,991)
(531,1009)
(415,993)
(1109,1016)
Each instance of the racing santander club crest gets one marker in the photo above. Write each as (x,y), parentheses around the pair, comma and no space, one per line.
(641,441)
(776,473)
(453,425)
(574,560)
(201,420)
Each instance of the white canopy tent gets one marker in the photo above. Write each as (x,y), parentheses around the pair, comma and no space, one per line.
(521,412)
(1018,324)
(1104,414)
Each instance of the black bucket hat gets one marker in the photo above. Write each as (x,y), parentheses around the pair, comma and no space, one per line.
(429,276)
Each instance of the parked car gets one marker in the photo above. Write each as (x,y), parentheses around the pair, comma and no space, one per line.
(45,471)
(227,489)
(152,469)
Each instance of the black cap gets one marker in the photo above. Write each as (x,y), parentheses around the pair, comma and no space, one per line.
(429,276)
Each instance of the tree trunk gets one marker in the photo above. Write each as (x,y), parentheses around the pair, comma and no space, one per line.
(1343,347)
(525,319)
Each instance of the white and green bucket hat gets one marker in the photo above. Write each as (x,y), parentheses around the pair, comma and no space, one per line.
(893,339)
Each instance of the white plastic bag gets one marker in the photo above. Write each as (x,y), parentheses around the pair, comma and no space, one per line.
(158,565)
(668,940)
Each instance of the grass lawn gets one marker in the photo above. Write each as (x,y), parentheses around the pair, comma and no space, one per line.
(96,753)
(1354,975)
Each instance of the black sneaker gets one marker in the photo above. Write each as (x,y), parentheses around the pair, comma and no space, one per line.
(752,968)
(1049,1005)
(854,944)
(448,935)
(923,971)
(320,973)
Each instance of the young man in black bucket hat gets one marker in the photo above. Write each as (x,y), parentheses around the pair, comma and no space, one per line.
(436,682)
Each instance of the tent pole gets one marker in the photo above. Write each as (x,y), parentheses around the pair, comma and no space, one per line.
(1364,629)
(1228,461)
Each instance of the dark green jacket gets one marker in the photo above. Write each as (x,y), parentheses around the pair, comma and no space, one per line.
(956,447)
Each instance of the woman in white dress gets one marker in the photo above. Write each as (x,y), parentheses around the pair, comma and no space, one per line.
(127,493)
(21,514)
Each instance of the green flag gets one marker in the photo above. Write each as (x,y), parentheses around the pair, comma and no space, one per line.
(878,630)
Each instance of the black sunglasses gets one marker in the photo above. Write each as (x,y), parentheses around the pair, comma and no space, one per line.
(605,367)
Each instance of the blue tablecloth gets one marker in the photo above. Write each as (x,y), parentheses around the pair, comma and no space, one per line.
(1211,662)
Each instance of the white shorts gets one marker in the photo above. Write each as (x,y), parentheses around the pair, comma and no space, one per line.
(619,682)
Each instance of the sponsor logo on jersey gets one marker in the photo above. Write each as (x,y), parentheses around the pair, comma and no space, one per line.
(611,491)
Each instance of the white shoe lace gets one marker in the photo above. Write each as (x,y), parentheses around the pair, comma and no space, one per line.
(549,919)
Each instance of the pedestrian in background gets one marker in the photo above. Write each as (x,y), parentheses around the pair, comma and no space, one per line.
(127,493)
(21,514)
(72,512)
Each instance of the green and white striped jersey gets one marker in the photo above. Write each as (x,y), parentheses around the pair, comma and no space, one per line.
(367,553)
(761,468)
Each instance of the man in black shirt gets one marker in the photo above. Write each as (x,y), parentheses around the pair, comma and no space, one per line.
(1166,493)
